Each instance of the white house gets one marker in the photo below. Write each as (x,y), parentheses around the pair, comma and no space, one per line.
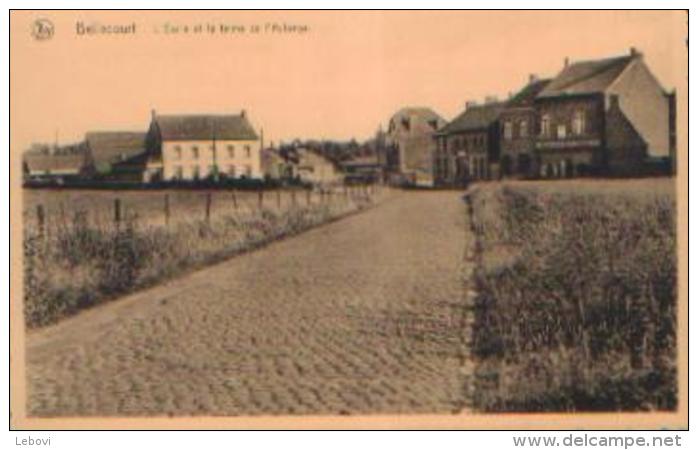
(194,147)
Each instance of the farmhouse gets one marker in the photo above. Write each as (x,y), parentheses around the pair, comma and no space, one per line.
(466,146)
(410,145)
(116,155)
(608,116)
(192,147)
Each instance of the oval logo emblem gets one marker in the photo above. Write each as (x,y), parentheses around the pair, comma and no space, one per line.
(42,29)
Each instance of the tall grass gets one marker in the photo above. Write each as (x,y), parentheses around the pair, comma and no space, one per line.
(577,299)
(80,264)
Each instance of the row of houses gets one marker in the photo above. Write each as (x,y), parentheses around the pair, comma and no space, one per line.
(609,117)
(185,148)
(175,147)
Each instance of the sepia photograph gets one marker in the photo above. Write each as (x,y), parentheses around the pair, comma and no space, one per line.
(348,219)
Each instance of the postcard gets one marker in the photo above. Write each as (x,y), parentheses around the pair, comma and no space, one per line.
(349,219)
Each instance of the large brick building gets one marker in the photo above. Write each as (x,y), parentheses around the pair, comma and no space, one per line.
(519,131)
(607,116)
(468,145)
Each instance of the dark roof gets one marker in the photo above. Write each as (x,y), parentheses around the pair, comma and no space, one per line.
(475,118)
(205,126)
(114,146)
(526,95)
(47,159)
(586,77)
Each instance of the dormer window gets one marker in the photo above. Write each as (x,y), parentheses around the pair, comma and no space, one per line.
(406,123)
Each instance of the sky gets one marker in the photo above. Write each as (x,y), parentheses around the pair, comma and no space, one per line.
(341,78)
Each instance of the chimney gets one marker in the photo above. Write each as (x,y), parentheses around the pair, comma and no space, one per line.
(532,78)
(490,99)
(153,113)
(635,53)
(243,113)
(567,61)
(470,103)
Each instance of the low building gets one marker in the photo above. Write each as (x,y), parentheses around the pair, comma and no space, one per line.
(193,147)
(55,163)
(606,116)
(277,166)
(315,169)
(362,169)
(117,155)
(519,131)
(467,148)
(409,145)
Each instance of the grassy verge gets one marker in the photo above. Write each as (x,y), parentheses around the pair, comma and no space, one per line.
(577,297)
(80,265)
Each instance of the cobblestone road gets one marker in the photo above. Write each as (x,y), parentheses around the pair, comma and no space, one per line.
(359,316)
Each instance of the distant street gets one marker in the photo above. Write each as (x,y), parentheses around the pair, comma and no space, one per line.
(358,316)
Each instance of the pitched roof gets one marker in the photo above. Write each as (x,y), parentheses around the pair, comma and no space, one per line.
(360,161)
(475,118)
(108,147)
(69,158)
(526,95)
(205,126)
(586,77)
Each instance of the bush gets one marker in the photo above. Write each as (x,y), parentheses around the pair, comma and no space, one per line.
(582,315)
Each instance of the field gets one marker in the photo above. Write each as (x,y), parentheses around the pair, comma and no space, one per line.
(77,254)
(576,305)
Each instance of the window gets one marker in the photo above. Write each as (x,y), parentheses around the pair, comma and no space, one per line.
(195,172)
(523,128)
(178,152)
(178,174)
(212,169)
(248,171)
(561,131)
(231,171)
(545,125)
(578,122)
(248,151)
(231,151)
(508,130)
(195,152)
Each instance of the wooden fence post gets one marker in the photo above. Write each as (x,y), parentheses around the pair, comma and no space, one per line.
(261,198)
(278,199)
(117,212)
(41,219)
(293,196)
(308,193)
(167,210)
(235,200)
(208,207)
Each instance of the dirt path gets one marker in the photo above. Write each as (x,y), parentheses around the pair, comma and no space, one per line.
(359,316)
